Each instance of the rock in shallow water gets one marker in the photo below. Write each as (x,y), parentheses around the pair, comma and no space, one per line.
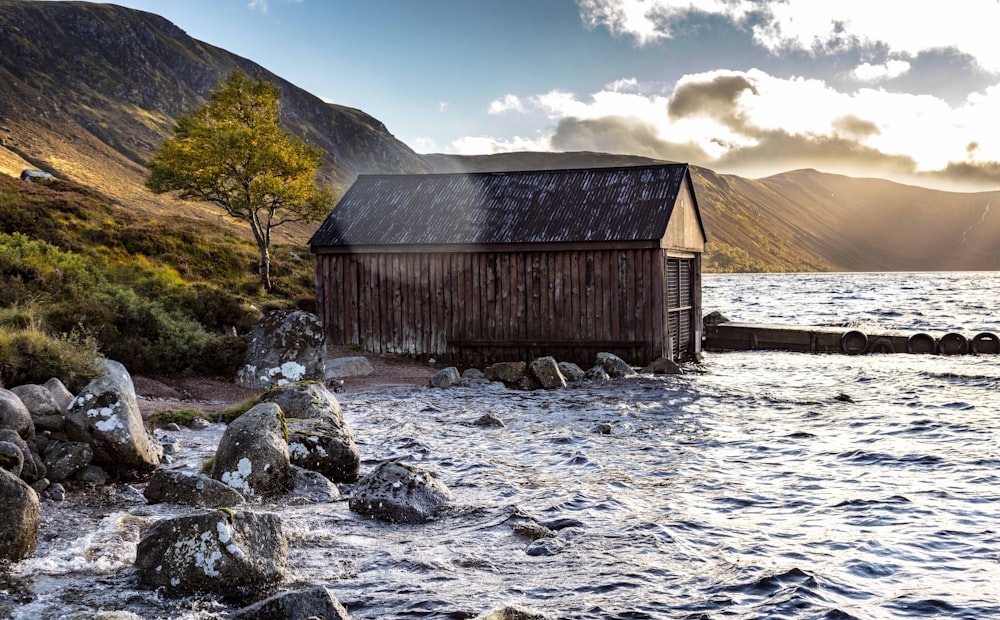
(315,602)
(399,493)
(220,551)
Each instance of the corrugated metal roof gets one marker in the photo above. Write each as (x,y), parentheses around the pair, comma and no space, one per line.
(545,206)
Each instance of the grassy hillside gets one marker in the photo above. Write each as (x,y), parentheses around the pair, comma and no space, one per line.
(159,295)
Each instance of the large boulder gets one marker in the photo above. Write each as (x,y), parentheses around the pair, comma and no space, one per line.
(318,437)
(14,415)
(614,366)
(546,371)
(284,347)
(346,367)
(315,602)
(220,551)
(19,518)
(105,415)
(252,456)
(64,458)
(399,493)
(177,487)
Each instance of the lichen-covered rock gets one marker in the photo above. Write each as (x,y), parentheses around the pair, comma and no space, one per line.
(252,456)
(571,371)
(284,347)
(446,377)
(597,374)
(546,370)
(177,487)
(614,365)
(14,415)
(324,445)
(19,518)
(65,458)
(399,493)
(220,551)
(105,415)
(507,372)
(315,602)
(305,399)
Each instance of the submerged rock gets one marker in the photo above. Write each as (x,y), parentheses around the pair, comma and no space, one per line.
(220,551)
(316,602)
(399,493)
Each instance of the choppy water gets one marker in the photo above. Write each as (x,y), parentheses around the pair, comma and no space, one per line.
(758,485)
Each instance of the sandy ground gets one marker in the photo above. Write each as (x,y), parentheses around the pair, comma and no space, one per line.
(210,395)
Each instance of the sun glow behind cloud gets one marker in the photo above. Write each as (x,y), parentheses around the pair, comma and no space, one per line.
(756,123)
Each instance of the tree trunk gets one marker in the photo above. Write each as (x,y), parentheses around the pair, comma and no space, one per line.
(264,269)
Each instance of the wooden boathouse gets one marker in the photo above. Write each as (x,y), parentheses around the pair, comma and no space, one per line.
(475,268)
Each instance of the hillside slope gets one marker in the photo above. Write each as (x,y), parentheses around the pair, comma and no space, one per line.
(806,220)
(89,91)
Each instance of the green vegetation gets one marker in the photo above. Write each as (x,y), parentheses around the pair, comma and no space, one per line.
(85,278)
(180,417)
(231,152)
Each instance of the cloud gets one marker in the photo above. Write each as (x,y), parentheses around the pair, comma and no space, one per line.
(757,124)
(621,135)
(867,72)
(902,27)
(257,5)
(507,103)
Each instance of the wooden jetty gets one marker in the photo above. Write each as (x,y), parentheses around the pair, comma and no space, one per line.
(730,336)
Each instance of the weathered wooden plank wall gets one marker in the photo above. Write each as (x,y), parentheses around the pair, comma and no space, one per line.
(475,308)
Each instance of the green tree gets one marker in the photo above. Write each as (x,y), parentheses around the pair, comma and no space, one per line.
(231,152)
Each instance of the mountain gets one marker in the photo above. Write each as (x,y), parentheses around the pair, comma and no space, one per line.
(805,220)
(89,91)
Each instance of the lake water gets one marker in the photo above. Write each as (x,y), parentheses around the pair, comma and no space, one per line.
(756,485)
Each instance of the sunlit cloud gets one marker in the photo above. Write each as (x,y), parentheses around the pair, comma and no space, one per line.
(904,28)
(867,72)
(442,106)
(507,103)
(483,145)
(753,123)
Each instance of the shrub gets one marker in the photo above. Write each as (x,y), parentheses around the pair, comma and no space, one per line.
(32,356)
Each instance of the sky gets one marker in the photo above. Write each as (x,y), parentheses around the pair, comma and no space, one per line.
(902,89)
